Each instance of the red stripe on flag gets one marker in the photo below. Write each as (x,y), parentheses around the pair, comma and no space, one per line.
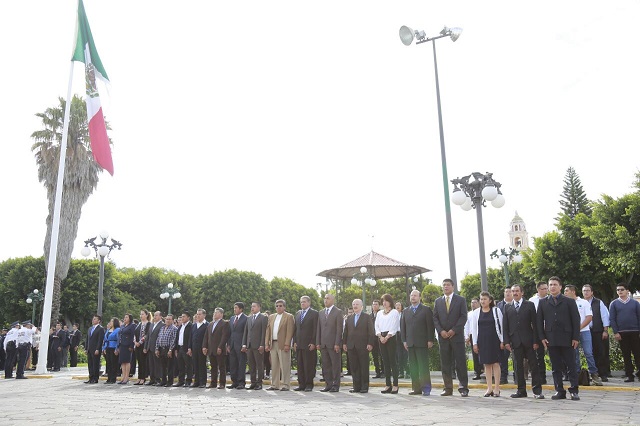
(100,142)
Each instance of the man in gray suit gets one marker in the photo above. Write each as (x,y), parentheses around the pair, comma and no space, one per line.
(359,336)
(417,331)
(449,318)
(329,341)
(253,345)
(155,365)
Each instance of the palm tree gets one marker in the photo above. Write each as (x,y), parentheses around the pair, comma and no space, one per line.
(80,179)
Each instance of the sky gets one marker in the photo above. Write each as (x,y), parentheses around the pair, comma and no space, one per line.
(290,137)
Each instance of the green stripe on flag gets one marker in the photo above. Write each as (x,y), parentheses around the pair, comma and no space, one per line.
(84,38)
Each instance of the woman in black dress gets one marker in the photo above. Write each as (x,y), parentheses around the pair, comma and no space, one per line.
(125,347)
(142,331)
(486,332)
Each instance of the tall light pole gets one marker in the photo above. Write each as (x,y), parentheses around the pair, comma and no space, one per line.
(363,278)
(170,293)
(102,250)
(470,194)
(507,257)
(407,36)
(34,297)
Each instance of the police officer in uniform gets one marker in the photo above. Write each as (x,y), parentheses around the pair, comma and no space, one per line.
(23,343)
(11,348)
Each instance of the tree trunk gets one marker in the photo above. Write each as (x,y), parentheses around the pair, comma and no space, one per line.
(55,304)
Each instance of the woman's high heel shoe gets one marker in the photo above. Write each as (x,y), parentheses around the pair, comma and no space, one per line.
(386,390)
(394,391)
(488,394)
(495,395)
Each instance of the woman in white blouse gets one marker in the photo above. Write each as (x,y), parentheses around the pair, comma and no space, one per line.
(387,326)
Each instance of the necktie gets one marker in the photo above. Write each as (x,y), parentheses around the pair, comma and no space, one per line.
(326,311)
(91,331)
(355,320)
(255,316)
(302,316)
(414,309)
(448,304)
(517,306)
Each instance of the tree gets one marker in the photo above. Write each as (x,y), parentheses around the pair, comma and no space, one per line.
(573,198)
(471,285)
(290,292)
(430,293)
(80,179)
(224,288)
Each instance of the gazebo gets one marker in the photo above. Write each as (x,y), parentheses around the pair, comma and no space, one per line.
(377,266)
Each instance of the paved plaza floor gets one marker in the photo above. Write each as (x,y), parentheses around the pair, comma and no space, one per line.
(65,399)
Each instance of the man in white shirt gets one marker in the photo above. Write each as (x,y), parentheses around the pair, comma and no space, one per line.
(586,315)
(543,292)
(278,337)
(599,332)
(477,367)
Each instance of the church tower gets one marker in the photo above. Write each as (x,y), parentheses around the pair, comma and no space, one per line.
(518,235)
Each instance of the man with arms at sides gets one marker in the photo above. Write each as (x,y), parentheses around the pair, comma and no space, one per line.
(237,357)
(304,343)
(542,293)
(329,341)
(449,318)
(76,338)
(504,360)
(598,328)
(418,332)
(214,345)
(93,346)
(559,328)
(586,315)
(377,357)
(198,331)
(278,337)
(253,345)
(477,367)
(520,336)
(359,336)
(164,350)
(183,340)
(624,313)
(155,366)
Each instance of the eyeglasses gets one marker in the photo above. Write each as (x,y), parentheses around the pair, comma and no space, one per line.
(620,289)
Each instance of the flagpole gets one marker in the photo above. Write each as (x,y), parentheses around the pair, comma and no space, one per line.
(55,228)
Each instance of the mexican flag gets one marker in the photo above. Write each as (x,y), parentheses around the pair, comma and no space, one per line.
(85,51)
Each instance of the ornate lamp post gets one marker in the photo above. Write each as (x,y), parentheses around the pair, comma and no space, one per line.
(470,194)
(170,293)
(34,297)
(363,278)
(507,257)
(102,250)
(407,36)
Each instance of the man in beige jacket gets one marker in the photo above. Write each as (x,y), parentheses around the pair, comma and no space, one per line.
(278,338)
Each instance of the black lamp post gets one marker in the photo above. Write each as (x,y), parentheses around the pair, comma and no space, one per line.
(507,257)
(34,297)
(102,250)
(170,293)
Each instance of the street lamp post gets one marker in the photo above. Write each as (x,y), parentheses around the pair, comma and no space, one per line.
(507,257)
(363,278)
(34,297)
(102,250)
(170,293)
(470,194)
(407,36)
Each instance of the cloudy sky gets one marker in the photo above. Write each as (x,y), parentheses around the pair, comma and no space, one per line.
(280,136)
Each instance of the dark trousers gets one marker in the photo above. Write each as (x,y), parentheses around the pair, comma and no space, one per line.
(402,355)
(377,359)
(504,365)
(267,362)
(256,366)
(331,367)
(237,367)
(218,365)
(388,352)
(600,356)
(166,375)
(57,358)
(155,366)
(9,362)
(307,361)
(542,365)
(563,357)
(112,365)
(74,357)
(419,367)
(23,354)
(450,352)
(519,354)
(630,344)
(477,367)
(359,363)
(143,363)
(185,366)
(93,364)
(199,366)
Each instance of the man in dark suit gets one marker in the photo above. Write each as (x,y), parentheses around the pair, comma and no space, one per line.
(155,365)
(75,339)
(304,343)
(198,331)
(358,339)
(59,337)
(375,354)
(237,357)
(559,328)
(329,341)
(253,345)
(183,340)
(93,346)
(449,318)
(214,345)
(418,334)
(504,359)
(520,336)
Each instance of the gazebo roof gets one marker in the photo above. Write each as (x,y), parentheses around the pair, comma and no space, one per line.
(378,265)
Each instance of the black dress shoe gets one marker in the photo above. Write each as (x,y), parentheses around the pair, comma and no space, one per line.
(202,386)
(298,389)
(194,385)
(629,379)
(519,395)
(308,389)
(334,390)
(354,391)
(150,384)
(232,386)
(251,387)
(212,386)
(241,387)
(272,388)
(415,393)
(325,390)
(559,395)
(539,396)
(446,392)
(575,397)
(258,387)
(178,385)
(364,391)
(89,381)
(220,387)
(465,393)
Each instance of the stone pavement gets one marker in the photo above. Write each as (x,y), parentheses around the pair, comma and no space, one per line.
(65,399)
